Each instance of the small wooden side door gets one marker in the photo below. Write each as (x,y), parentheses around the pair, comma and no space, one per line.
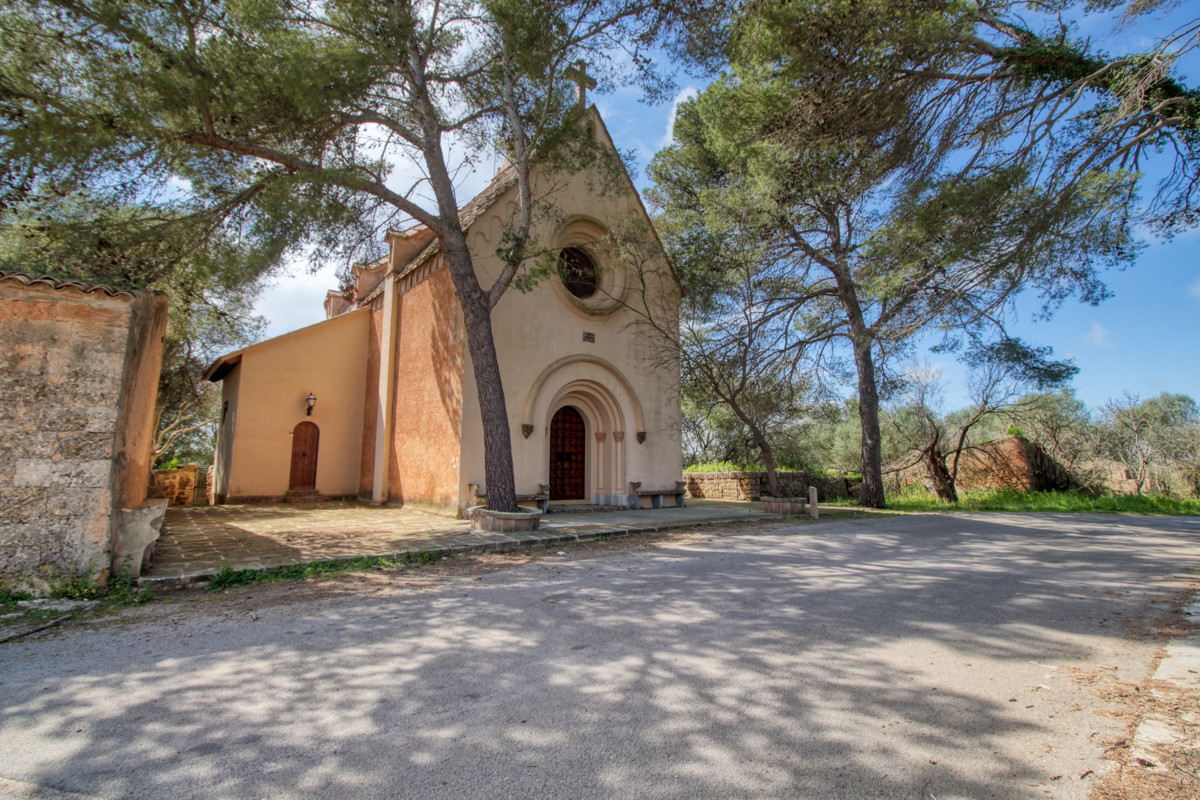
(305,439)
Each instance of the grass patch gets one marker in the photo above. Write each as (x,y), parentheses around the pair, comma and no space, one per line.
(1009,500)
(227,577)
(120,590)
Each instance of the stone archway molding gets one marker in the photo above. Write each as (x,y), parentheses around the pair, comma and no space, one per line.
(535,391)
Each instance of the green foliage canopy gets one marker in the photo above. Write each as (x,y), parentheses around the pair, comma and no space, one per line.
(875,204)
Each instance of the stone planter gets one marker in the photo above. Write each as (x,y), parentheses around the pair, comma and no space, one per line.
(784,505)
(484,519)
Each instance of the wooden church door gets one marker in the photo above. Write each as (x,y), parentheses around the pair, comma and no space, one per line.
(566,455)
(305,438)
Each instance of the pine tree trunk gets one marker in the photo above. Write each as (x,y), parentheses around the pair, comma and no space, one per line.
(769,461)
(477,318)
(871,495)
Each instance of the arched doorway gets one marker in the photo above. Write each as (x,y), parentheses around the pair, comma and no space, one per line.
(567,457)
(305,439)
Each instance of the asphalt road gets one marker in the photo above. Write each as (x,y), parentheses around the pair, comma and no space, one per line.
(905,657)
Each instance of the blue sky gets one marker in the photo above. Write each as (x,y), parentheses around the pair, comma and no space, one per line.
(1144,339)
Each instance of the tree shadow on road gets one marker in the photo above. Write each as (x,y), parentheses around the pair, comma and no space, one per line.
(831,662)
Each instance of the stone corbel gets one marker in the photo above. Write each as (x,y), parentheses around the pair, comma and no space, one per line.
(641,436)
(526,431)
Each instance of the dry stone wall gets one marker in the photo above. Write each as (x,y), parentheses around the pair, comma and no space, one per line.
(754,485)
(1010,462)
(178,486)
(76,365)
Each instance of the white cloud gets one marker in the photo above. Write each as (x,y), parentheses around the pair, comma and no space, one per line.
(683,96)
(924,372)
(1099,336)
(1194,289)
(295,297)
(296,300)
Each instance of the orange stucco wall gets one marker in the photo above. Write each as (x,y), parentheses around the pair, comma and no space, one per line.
(327,359)
(428,400)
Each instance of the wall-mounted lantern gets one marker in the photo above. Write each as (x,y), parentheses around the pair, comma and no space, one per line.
(310,401)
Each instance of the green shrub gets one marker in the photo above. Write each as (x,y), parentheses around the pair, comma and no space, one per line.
(7,597)
(722,466)
(121,589)
(729,466)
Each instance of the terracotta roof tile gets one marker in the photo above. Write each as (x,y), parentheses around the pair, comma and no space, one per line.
(59,284)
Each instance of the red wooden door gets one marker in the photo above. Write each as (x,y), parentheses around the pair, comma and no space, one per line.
(566,455)
(304,456)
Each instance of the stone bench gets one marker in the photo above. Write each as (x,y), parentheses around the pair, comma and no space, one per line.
(792,506)
(636,493)
(788,506)
(541,498)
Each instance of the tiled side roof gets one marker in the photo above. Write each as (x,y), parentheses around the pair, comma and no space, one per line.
(504,180)
(50,281)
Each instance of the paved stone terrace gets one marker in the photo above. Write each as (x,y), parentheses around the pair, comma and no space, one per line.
(198,541)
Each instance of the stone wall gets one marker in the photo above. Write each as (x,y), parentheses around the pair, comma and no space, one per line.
(178,486)
(78,377)
(1010,462)
(753,485)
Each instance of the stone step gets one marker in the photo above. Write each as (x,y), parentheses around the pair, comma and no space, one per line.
(582,509)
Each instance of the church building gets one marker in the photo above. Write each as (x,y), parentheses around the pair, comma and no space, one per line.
(378,401)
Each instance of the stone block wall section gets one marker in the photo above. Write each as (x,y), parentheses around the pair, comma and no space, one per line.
(178,486)
(79,370)
(753,485)
(1010,462)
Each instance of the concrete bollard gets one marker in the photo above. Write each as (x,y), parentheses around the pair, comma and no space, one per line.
(812,502)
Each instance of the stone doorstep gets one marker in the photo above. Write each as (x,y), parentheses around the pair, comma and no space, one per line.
(516,542)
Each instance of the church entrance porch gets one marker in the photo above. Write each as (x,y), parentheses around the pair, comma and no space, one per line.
(567,455)
(200,540)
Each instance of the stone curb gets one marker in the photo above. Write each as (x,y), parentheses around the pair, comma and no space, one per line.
(507,543)
(1179,667)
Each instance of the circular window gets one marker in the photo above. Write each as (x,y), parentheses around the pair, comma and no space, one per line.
(578,272)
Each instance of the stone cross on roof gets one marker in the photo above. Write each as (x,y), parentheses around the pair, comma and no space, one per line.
(583,82)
